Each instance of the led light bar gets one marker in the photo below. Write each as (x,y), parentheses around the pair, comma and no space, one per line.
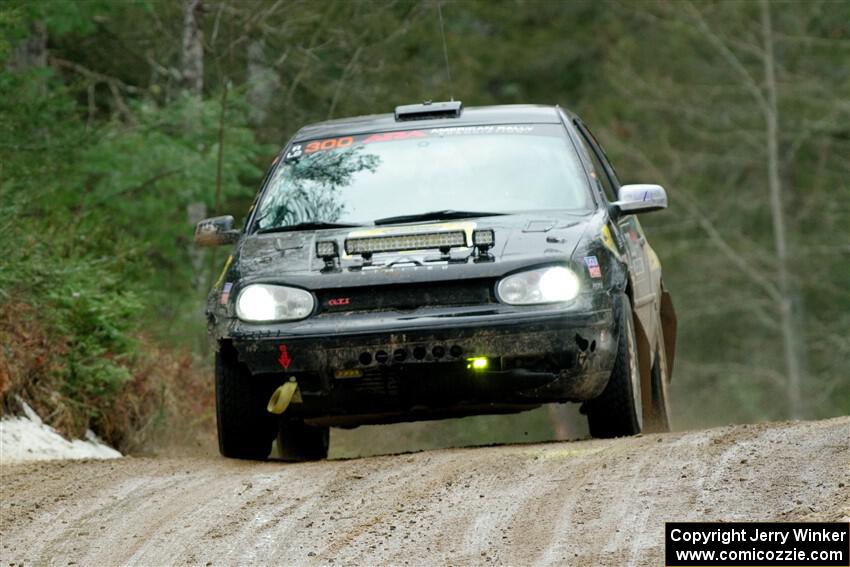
(395,243)
(326,249)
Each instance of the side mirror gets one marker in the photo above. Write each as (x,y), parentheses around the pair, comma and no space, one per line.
(216,231)
(641,198)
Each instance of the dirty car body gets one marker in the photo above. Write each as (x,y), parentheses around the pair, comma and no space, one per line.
(438,262)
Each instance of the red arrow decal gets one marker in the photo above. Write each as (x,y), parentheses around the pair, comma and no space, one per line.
(284,359)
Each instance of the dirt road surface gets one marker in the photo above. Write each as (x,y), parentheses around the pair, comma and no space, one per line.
(601,502)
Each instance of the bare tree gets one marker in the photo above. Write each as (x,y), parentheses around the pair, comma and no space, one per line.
(766,99)
(192,53)
(790,328)
(740,111)
(263,82)
(192,75)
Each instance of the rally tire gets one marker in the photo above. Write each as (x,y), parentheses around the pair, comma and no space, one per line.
(245,428)
(297,441)
(618,411)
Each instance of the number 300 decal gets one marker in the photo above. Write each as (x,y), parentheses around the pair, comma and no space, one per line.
(329,144)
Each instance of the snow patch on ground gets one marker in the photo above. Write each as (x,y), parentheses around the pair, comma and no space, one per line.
(28,438)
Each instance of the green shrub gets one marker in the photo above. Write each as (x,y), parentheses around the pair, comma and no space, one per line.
(98,252)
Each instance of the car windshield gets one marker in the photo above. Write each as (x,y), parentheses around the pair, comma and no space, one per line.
(358,179)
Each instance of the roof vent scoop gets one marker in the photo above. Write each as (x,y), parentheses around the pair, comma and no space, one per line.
(428,110)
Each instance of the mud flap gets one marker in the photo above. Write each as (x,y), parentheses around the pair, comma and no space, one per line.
(668,324)
(644,348)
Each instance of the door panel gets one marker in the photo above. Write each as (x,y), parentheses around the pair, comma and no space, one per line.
(645,272)
(644,268)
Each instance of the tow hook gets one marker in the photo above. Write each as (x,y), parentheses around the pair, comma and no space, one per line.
(283,396)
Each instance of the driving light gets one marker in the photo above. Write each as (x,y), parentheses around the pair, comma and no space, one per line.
(545,285)
(484,238)
(259,303)
(326,249)
(478,363)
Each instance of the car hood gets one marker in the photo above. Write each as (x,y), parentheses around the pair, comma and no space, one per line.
(520,240)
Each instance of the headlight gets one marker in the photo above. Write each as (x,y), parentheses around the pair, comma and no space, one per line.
(260,302)
(545,285)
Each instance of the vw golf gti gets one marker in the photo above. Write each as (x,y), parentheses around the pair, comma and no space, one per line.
(437,262)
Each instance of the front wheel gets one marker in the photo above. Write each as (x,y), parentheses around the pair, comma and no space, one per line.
(618,411)
(245,428)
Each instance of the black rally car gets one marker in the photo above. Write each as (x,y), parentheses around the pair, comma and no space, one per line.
(436,262)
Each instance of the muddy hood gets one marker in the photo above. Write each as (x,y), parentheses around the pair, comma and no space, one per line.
(520,240)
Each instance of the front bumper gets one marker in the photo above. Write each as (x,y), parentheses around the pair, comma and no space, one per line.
(406,363)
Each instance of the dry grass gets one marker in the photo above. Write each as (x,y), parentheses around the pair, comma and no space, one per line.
(167,405)
(30,362)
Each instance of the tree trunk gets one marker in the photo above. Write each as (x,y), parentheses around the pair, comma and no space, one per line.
(192,74)
(790,333)
(32,52)
(192,56)
(263,83)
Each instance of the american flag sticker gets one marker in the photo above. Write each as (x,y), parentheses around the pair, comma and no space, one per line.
(593,266)
(225,293)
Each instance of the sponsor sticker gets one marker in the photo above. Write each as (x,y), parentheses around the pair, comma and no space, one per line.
(393,136)
(638,265)
(225,293)
(593,266)
(502,129)
(294,153)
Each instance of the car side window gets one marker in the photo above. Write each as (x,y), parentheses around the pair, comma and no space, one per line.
(604,171)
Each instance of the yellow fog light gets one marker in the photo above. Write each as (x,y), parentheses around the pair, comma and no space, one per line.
(478,363)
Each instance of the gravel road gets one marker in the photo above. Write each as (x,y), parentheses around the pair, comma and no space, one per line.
(600,502)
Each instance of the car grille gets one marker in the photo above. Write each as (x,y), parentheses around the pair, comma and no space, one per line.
(406,296)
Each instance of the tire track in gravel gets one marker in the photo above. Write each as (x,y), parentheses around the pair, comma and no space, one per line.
(582,502)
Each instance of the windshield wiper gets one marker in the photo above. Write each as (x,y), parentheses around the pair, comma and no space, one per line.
(312,225)
(436,215)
